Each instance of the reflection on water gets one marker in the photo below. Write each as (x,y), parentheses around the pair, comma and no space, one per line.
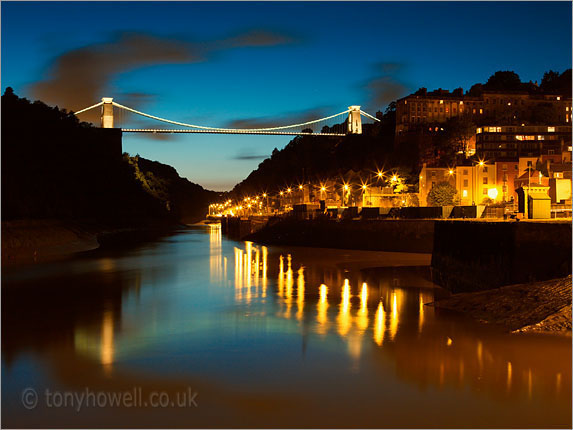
(368,330)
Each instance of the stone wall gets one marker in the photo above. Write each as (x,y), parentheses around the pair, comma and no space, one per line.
(473,255)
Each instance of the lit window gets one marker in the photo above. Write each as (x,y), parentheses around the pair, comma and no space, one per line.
(478,131)
(474,111)
(441,102)
(558,98)
(498,129)
(509,103)
(481,111)
(465,193)
(566,108)
(461,102)
(551,129)
(540,137)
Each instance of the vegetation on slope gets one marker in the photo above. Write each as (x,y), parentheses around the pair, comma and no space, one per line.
(54,166)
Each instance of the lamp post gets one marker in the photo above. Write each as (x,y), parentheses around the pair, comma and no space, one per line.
(480,164)
(266,197)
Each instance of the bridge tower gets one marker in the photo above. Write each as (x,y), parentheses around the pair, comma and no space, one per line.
(107,112)
(354,120)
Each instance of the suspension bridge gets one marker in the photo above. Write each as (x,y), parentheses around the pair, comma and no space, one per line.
(346,122)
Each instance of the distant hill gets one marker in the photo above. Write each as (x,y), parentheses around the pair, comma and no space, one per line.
(316,158)
(54,166)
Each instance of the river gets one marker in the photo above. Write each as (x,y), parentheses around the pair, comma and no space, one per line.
(197,330)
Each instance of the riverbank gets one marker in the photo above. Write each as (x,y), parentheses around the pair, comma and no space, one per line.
(34,241)
(531,307)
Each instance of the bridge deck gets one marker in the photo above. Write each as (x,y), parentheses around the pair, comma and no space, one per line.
(273,133)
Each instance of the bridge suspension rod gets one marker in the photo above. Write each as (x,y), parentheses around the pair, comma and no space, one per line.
(244,131)
(227,129)
(353,122)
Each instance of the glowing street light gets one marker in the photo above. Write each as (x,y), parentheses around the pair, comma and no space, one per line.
(288,190)
(451,172)
(492,193)
(300,187)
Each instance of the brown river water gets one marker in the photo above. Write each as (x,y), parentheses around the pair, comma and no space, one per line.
(196,330)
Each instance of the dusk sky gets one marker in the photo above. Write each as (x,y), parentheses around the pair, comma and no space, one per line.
(219,63)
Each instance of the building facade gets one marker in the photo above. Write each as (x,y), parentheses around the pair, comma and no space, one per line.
(438,106)
(513,142)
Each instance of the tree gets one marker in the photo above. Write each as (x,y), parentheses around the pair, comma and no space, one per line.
(442,194)
(544,113)
(476,90)
(503,80)
(459,131)
(553,82)
(390,108)
(550,81)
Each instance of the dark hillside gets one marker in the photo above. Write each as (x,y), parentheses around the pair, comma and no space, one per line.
(315,158)
(54,166)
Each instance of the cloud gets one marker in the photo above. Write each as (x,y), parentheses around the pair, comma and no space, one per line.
(256,38)
(248,154)
(80,77)
(387,86)
(248,157)
(283,119)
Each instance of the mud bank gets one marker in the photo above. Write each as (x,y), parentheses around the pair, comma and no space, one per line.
(34,241)
(532,307)
(30,241)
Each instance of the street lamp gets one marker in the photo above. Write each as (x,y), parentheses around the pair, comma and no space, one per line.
(364,188)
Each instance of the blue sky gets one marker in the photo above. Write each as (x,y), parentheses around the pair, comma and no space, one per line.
(214,63)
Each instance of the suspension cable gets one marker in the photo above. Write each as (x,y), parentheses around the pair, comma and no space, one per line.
(88,108)
(225,129)
(366,114)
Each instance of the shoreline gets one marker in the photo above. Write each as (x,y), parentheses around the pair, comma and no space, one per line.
(538,307)
(35,241)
